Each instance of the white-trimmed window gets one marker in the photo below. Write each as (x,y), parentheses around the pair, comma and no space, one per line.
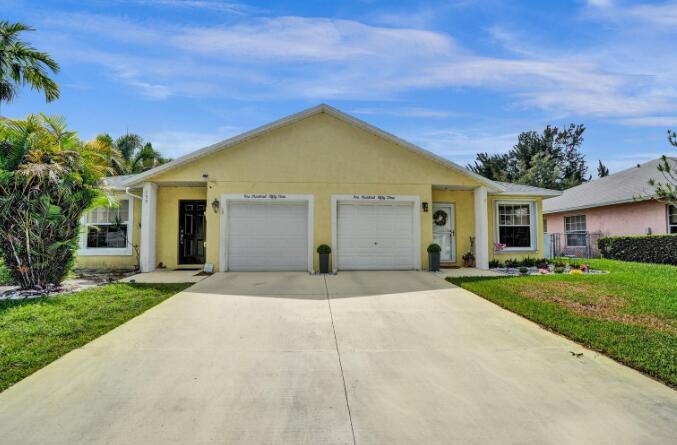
(575,231)
(516,224)
(107,230)
(672,219)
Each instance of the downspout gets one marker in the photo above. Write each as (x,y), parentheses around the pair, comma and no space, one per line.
(140,198)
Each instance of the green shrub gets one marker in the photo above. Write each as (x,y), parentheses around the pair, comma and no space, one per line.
(434,248)
(512,262)
(48,178)
(524,270)
(528,261)
(559,269)
(660,249)
(495,263)
(323,249)
(5,275)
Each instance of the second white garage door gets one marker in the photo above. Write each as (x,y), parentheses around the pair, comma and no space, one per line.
(375,236)
(267,236)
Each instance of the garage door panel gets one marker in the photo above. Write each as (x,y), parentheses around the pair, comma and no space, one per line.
(375,236)
(267,236)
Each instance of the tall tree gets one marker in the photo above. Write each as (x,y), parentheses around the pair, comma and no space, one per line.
(48,178)
(665,189)
(551,159)
(129,154)
(602,170)
(21,65)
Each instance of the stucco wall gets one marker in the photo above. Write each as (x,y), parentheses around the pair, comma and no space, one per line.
(322,156)
(622,219)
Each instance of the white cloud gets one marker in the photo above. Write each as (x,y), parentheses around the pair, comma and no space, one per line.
(173,143)
(321,58)
(212,5)
(652,121)
(405,112)
(318,39)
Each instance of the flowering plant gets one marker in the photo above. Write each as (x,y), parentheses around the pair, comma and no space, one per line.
(499,246)
(585,267)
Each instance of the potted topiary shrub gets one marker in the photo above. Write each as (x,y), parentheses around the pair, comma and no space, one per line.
(434,257)
(324,251)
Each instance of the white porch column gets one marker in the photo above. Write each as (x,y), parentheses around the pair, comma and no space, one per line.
(481,228)
(148,227)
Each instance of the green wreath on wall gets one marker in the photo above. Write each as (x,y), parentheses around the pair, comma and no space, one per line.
(440,218)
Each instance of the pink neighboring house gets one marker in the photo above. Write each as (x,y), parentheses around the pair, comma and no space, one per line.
(612,205)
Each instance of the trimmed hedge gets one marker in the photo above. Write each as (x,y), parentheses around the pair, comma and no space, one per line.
(661,249)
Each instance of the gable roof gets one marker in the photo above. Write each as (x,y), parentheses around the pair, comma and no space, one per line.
(117,182)
(625,186)
(527,190)
(322,108)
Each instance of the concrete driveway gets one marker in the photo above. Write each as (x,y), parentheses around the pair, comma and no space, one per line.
(367,358)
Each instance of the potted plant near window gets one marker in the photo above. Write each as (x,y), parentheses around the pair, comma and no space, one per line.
(434,257)
(468,259)
(324,251)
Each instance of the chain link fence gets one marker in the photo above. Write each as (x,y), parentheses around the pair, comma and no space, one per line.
(572,244)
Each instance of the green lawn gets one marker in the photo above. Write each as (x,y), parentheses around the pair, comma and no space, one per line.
(629,314)
(36,332)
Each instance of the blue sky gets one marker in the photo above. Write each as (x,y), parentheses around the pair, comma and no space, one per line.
(455,77)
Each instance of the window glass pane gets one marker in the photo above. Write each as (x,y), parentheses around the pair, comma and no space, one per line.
(107,236)
(515,236)
(576,239)
(514,221)
(123,210)
(107,227)
(574,223)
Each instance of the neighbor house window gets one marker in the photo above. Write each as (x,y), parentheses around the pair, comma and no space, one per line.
(575,231)
(516,225)
(672,219)
(106,230)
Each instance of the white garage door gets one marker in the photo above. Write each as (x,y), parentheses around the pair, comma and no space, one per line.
(267,236)
(375,236)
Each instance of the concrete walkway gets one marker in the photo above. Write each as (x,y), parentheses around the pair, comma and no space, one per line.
(366,358)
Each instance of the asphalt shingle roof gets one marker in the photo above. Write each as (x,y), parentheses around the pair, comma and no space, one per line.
(522,189)
(624,186)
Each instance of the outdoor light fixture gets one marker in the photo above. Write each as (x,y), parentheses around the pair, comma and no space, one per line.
(424,205)
(205,175)
(215,205)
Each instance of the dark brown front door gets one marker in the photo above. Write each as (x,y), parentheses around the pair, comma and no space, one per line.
(192,232)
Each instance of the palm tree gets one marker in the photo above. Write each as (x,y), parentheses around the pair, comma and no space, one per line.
(21,64)
(129,154)
(48,178)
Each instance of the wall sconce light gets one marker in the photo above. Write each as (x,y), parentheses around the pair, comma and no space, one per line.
(215,205)
(205,176)
(424,205)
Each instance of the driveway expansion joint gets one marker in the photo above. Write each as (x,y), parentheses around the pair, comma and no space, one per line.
(340,363)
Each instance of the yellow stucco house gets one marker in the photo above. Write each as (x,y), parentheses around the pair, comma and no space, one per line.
(264,200)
